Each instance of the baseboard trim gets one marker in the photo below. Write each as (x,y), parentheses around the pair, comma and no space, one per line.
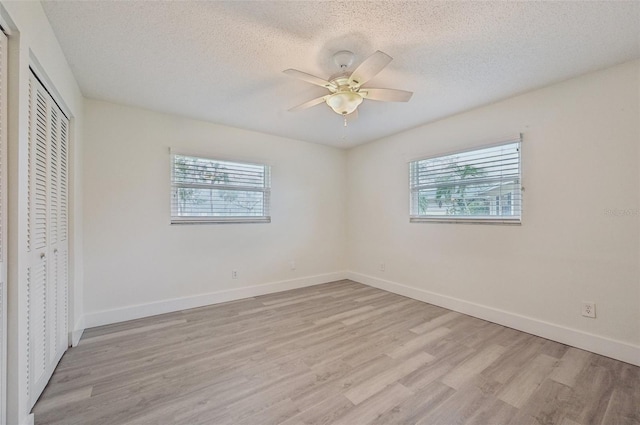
(586,341)
(77,332)
(138,311)
(29,420)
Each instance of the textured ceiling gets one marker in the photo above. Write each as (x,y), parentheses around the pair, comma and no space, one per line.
(223,61)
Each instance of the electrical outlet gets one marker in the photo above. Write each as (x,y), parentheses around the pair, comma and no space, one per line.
(382,267)
(589,309)
(234,274)
(292,264)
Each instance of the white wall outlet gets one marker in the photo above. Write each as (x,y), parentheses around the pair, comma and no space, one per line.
(383,267)
(234,274)
(292,264)
(589,309)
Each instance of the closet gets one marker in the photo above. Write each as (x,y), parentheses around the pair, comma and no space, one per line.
(47,236)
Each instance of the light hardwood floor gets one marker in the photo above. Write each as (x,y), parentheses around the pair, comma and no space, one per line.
(338,353)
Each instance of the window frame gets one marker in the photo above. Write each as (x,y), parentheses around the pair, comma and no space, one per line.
(235,219)
(453,219)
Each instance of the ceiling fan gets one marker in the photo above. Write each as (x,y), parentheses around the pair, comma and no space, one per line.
(345,90)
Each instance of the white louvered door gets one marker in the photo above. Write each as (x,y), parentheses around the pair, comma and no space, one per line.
(3,225)
(46,237)
(60,247)
(61,250)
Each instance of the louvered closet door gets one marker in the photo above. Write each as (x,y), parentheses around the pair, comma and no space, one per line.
(61,250)
(57,279)
(46,237)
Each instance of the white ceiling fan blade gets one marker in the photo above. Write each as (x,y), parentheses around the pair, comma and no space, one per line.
(308,78)
(386,95)
(369,68)
(309,104)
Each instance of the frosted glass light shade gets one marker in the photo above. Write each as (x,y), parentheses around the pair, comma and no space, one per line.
(344,103)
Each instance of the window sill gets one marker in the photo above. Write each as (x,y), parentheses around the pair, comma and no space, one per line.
(460,220)
(229,220)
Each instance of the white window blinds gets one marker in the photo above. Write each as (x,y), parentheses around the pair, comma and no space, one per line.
(208,190)
(475,186)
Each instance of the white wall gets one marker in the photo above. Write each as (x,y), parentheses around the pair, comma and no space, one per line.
(134,257)
(580,159)
(32,42)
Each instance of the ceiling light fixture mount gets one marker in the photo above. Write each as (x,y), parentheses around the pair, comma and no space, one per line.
(343,58)
(346,91)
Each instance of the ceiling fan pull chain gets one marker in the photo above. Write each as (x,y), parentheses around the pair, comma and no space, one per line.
(344,131)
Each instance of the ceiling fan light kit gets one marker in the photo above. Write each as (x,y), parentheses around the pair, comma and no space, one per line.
(344,103)
(346,91)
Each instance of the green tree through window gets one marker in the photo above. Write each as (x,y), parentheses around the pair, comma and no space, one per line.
(215,190)
(477,184)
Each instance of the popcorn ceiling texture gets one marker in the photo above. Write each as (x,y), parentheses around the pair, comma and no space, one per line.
(222,61)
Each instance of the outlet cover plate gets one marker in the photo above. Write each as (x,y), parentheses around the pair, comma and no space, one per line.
(589,309)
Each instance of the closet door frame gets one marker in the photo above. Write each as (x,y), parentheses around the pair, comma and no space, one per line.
(3,223)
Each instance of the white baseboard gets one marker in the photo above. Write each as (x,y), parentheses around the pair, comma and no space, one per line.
(597,344)
(107,317)
(77,332)
(29,420)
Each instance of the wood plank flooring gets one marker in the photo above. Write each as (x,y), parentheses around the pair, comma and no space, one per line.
(338,353)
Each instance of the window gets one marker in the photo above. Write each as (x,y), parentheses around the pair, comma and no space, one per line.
(475,186)
(208,190)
